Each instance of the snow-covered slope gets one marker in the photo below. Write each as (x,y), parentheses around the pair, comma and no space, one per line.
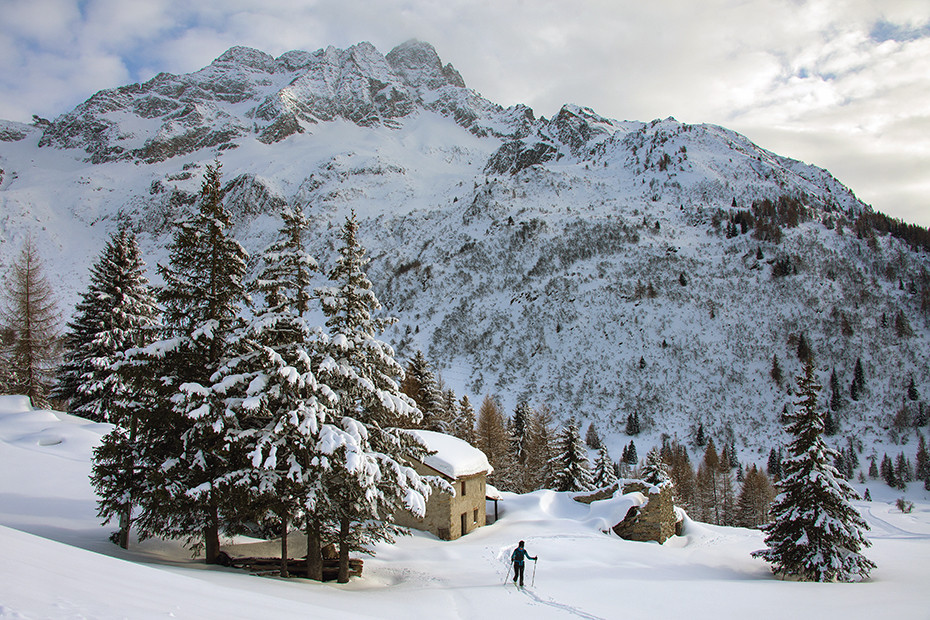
(57,562)
(577,261)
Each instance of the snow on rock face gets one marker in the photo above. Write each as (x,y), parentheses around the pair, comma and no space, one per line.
(454,457)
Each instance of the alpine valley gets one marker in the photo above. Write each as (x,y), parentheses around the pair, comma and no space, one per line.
(600,267)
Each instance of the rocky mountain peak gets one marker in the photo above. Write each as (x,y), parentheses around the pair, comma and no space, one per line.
(420,65)
(247,57)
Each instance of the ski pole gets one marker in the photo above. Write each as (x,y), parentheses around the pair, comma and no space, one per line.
(533,583)
(509,566)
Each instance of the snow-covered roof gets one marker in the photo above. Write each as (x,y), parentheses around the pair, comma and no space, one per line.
(491,492)
(454,457)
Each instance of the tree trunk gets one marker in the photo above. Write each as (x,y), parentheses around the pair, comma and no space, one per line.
(211,534)
(314,550)
(284,572)
(343,576)
(124,526)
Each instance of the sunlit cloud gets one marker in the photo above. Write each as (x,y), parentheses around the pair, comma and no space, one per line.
(839,83)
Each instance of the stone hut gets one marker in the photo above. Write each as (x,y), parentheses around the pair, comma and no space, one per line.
(655,519)
(463,466)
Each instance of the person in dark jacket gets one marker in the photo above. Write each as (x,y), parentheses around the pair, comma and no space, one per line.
(517,557)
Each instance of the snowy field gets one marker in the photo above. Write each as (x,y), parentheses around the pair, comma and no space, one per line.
(57,562)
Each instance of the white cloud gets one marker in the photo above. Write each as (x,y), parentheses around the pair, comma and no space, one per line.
(839,83)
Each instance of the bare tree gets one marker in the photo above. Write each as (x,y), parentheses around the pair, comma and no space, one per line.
(29,321)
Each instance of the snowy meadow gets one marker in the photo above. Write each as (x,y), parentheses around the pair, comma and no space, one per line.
(59,563)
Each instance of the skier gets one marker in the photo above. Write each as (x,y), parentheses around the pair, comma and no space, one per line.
(517,557)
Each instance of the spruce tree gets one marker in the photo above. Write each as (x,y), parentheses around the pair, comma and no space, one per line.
(420,384)
(202,298)
(365,377)
(116,314)
(815,533)
(285,412)
(29,327)
(604,472)
(464,426)
(591,438)
(654,469)
(571,470)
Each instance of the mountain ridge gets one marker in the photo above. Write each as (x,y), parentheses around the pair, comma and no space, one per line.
(595,265)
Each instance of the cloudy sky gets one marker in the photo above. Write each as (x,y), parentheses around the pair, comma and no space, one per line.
(841,84)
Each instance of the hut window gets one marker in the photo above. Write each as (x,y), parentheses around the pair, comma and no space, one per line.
(463,488)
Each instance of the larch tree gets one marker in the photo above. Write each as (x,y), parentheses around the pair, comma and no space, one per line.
(494,440)
(373,481)
(539,448)
(29,323)
(116,314)
(755,499)
(815,534)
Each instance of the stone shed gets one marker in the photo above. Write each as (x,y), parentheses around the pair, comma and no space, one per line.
(466,468)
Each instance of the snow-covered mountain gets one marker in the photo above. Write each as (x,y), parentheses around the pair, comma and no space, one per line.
(593,265)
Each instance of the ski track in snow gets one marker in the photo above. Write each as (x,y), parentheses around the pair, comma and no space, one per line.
(562,606)
(882,528)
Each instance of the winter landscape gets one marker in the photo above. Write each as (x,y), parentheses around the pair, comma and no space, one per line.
(202,269)
(58,562)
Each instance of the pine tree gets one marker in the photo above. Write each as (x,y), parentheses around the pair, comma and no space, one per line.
(632,424)
(286,413)
(604,473)
(922,460)
(202,298)
(518,429)
(887,472)
(836,399)
(815,533)
(420,384)
(591,438)
(570,464)
(804,351)
(858,382)
(464,425)
(363,373)
(29,324)
(775,372)
(774,464)
(654,471)
(115,315)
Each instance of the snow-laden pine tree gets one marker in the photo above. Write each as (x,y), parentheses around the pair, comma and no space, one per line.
(815,534)
(570,466)
(285,413)
(202,298)
(29,331)
(375,481)
(604,472)
(518,428)
(116,313)
(655,471)
(463,425)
